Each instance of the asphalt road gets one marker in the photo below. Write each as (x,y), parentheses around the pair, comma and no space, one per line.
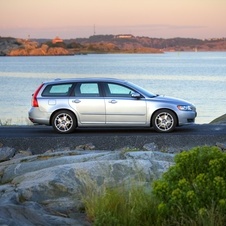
(41,138)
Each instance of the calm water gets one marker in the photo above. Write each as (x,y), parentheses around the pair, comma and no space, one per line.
(197,77)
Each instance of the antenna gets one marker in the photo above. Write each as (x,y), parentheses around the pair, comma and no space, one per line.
(94,30)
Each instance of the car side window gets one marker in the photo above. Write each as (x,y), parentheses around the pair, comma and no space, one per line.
(57,90)
(116,90)
(87,90)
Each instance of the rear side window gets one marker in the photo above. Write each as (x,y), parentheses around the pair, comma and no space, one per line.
(57,90)
(87,90)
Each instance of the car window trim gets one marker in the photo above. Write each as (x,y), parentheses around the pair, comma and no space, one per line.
(57,94)
(105,87)
(99,88)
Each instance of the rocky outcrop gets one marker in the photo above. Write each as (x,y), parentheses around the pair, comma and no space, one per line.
(32,49)
(219,120)
(46,188)
(6,153)
(107,44)
(7,44)
(21,47)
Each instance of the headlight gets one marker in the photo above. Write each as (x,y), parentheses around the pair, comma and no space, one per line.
(184,107)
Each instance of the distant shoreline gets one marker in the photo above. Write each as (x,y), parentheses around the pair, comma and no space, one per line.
(106,44)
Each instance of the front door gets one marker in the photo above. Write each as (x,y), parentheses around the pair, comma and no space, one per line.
(121,108)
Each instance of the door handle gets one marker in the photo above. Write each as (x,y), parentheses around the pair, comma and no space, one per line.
(76,101)
(113,101)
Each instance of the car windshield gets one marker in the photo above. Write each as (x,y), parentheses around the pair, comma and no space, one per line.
(142,90)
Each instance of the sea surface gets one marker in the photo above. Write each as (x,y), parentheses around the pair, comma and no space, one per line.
(199,77)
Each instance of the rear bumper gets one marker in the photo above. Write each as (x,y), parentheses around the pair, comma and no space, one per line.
(39,117)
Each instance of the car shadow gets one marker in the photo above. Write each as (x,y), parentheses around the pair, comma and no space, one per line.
(112,131)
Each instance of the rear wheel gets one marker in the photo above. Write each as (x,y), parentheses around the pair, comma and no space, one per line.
(164,121)
(64,121)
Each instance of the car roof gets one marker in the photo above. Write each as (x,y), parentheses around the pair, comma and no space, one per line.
(91,79)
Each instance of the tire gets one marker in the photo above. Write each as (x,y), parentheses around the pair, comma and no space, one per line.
(164,121)
(64,121)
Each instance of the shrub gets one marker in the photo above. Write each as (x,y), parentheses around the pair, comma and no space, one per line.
(190,193)
(60,44)
(193,191)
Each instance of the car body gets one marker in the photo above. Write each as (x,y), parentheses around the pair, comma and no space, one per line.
(106,102)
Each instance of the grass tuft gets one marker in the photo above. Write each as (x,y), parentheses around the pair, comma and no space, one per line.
(190,193)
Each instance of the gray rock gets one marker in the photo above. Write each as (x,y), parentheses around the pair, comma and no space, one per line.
(39,186)
(160,162)
(222,146)
(66,180)
(150,147)
(21,154)
(6,153)
(17,167)
(31,213)
(89,146)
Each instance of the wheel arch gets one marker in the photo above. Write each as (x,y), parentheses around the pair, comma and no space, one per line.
(62,109)
(151,119)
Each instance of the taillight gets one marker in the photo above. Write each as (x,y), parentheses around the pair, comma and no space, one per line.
(34,97)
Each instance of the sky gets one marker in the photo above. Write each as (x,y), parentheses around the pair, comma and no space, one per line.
(67,19)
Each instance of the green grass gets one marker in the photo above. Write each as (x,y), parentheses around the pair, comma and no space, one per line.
(138,207)
(120,206)
(220,119)
(7,122)
(190,193)
(11,122)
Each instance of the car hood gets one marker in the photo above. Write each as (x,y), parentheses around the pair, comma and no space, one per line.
(161,98)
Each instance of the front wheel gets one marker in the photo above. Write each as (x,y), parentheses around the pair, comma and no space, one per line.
(164,121)
(64,121)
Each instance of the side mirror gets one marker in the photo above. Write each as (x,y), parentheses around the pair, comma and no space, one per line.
(135,95)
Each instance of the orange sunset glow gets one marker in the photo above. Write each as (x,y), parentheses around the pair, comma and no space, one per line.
(83,18)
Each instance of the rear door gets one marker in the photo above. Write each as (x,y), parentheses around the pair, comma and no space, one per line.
(121,108)
(88,103)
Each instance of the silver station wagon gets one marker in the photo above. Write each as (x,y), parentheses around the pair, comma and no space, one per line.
(66,104)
